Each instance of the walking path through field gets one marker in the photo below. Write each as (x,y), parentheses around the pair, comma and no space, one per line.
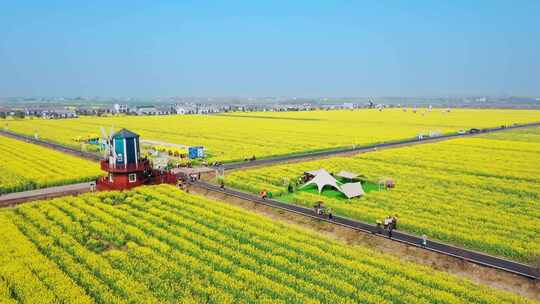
(15,198)
(460,253)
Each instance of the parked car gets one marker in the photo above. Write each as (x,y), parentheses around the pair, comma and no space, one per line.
(474,131)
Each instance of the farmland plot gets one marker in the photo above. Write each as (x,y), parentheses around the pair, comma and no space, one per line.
(481,192)
(158,244)
(25,166)
(238,136)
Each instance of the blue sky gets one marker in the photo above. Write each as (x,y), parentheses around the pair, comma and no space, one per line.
(273,48)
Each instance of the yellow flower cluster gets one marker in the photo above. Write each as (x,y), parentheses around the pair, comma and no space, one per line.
(158,244)
(29,275)
(243,135)
(25,166)
(480,192)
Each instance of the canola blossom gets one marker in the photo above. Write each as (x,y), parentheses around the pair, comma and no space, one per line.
(237,136)
(25,166)
(160,245)
(481,192)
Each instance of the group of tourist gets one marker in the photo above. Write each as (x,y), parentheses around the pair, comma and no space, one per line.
(320,209)
(193,177)
(388,224)
(205,163)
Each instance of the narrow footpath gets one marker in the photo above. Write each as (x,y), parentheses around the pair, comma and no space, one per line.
(11,199)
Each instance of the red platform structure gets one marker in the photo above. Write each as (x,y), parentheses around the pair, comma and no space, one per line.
(124,166)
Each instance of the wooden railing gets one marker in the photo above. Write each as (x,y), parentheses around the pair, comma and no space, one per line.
(142,165)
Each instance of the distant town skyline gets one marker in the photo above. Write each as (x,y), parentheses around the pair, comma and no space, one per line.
(307,49)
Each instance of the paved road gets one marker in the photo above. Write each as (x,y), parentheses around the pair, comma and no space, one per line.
(11,199)
(460,253)
(48,144)
(367,148)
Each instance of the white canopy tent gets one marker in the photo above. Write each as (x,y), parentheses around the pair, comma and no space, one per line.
(347,175)
(352,190)
(322,178)
(317,172)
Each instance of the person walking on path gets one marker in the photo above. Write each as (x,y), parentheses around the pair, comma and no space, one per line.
(330,215)
(424,240)
(394,221)
(318,208)
(390,231)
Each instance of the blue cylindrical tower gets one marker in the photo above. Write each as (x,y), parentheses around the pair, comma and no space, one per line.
(125,145)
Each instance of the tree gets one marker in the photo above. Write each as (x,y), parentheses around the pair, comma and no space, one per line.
(19,114)
(3,115)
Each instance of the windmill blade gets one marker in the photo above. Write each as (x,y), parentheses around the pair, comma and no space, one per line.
(103,133)
(106,142)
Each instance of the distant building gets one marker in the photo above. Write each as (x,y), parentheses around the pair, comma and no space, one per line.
(207,109)
(147,110)
(151,110)
(165,110)
(86,111)
(181,110)
(39,112)
(92,110)
(185,108)
(59,113)
(349,105)
(49,113)
(120,108)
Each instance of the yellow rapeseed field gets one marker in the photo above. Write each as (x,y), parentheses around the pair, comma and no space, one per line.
(160,245)
(238,136)
(481,192)
(25,166)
